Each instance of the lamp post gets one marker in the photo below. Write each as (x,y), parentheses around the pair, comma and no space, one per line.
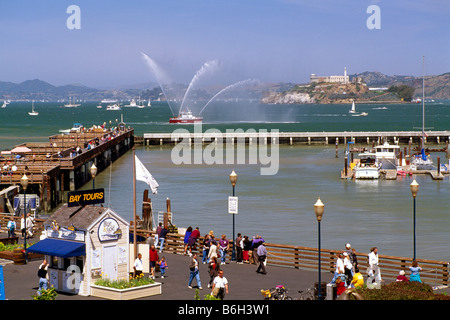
(93,174)
(233,180)
(24,183)
(318,210)
(414,186)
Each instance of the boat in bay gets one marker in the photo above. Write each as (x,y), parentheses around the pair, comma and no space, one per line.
(113,107)
(33,112)
(71,104)
(186,117)
(76,128)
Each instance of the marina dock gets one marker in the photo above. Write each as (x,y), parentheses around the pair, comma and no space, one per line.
(61,164)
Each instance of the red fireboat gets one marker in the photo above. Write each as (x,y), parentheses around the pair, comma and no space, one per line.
(186,117)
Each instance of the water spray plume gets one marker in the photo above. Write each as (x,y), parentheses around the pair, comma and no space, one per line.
(232,86)
(207,68)
(158,75)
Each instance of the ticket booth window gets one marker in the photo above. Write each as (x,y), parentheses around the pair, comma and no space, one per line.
(80,263)
(66,263)
(53,262)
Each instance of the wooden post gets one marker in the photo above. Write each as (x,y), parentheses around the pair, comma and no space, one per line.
(345,166)
(439,165)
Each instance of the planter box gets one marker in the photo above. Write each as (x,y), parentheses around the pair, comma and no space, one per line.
(126,294)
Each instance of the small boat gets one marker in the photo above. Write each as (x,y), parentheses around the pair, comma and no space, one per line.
(113,107)
(77,127)
(386,155)
(353,109)
(363,114)
(186,117)
(367,167)
(99,106)
(33,112)
(148,103)
(4,104)
(132,104)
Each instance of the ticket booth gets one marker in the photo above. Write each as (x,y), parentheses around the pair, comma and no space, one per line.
(82,244)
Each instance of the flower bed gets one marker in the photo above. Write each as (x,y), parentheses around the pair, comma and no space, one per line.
(125,290)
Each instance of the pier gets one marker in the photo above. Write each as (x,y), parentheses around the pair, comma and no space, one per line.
(62,164)
(308,138)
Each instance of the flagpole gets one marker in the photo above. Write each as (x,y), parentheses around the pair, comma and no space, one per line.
(134,204)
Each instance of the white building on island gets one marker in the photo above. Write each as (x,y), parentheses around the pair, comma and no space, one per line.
(332,79)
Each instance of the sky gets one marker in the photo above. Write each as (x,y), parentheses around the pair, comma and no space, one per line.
(268,40)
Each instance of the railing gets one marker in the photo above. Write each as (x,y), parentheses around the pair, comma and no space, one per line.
(433,272)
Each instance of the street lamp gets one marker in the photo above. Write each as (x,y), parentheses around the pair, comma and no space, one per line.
(414,186)
(318,210)
(93,174)
(24,183)
(233,180)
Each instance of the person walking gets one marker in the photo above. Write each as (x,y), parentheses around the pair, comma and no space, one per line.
(43,277)
(212,250)
(224,246)
(163,266)
(29,225)
(374,269)
(162,238)
(205,251)
(194,272)
(220,286)
(214,269)
(153,257)
(262,254)
(11,226)
(239,247)
(415,269)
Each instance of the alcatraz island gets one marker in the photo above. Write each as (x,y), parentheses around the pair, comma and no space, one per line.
(368,87)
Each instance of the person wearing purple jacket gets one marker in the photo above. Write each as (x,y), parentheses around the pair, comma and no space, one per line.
(224,245)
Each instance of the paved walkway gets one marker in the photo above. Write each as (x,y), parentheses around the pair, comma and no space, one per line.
(21,281)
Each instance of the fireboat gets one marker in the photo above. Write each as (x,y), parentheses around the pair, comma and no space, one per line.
(186,117)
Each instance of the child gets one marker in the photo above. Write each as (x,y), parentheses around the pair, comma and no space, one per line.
(401,276)
(340,286)
(163,266)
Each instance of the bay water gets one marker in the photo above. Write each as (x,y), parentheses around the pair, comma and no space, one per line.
(278,207)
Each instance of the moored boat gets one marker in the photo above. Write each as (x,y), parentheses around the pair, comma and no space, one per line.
(113,107)
(367,167)
(386,155)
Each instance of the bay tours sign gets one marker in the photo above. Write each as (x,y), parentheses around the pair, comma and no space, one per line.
(85,197)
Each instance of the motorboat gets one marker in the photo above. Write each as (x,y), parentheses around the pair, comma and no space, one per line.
(76,128)
(386,155)
(186,117)
(132,104)
(33,112)
(367,167)
(113,107)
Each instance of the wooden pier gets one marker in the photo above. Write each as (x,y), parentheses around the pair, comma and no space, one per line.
(60,165)
(292,138)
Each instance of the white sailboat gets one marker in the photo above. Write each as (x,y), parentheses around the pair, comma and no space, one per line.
(33,112)
(423,161)
(71,105)
(353,109)
(4,104)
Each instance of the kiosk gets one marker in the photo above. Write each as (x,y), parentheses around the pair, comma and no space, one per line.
(82,244)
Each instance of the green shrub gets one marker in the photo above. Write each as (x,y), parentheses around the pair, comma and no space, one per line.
(49,294)
(401,291)
(125,284)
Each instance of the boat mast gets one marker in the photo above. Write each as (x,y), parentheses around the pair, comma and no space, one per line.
(423,102)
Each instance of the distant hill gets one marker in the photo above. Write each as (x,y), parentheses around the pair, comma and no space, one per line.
(436,87)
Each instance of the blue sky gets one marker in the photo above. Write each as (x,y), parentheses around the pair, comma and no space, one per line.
(270,40)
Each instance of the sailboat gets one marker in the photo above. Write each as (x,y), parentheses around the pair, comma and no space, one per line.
(71,105)
(353,111)
(33,112)
(423,161)
(4,104)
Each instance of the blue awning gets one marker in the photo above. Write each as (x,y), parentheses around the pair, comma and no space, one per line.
(59,248)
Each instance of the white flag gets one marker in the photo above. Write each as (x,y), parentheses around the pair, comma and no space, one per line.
(142,174)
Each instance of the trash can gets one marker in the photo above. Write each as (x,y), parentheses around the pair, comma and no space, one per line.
(331,291)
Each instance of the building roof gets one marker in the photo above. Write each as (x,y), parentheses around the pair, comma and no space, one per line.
(80,217)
